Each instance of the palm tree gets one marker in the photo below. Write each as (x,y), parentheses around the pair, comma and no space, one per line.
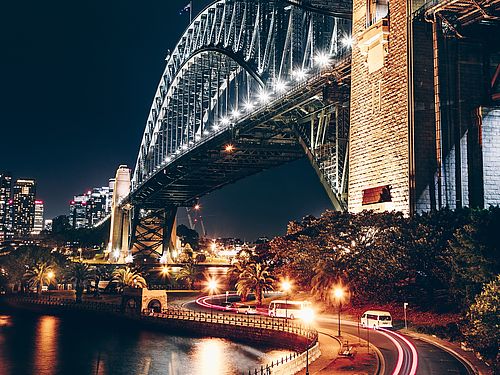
(255,277)
(188,274)
(39,274)
(80,275)
(325,276)
(128,277)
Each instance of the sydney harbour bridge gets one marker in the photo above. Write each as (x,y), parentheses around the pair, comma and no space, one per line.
(249,86)
(253,84)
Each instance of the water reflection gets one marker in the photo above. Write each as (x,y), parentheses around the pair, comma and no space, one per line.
(45,353)
(47,345)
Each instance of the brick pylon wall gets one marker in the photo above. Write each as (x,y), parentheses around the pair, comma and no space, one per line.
(379,137)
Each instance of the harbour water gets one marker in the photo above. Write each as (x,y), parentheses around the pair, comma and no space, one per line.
(54,345)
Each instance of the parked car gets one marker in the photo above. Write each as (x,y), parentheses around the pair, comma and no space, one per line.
(246,309)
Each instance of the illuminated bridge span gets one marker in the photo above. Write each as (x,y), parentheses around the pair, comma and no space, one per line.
(250,85)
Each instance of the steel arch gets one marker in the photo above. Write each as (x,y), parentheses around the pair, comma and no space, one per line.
(233,50)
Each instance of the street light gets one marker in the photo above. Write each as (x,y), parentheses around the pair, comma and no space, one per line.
(307,319)
(405,305)
(338,293)
(212,287)
(286,286)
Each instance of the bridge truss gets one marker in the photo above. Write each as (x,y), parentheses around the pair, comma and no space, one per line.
(250,85)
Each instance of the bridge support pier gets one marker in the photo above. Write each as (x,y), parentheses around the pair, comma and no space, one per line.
(152,233)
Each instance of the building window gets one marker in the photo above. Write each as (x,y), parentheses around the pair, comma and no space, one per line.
(379,194)
(376,10)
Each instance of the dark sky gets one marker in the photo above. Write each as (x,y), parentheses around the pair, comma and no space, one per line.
(76,84)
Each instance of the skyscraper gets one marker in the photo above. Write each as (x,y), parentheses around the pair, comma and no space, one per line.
(5,197)
(88,209)
(38,222)
(78,211)
(23,207)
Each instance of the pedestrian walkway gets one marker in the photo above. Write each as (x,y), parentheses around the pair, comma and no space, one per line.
(330,362)
(329,347)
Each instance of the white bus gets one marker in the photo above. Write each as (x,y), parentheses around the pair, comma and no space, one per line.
(376,319)
(290,309)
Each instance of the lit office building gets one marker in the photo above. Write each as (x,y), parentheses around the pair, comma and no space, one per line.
(5,197)
(78,211)
(23,207)
(38,221)
(88,209)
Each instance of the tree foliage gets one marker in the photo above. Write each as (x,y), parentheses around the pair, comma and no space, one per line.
(80,275)
(256,278)
(483,328)
(439,258)
(127,277)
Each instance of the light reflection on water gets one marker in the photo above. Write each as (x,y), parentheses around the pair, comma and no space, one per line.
(48,345)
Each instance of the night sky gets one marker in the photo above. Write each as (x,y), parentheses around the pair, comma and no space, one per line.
(76,85)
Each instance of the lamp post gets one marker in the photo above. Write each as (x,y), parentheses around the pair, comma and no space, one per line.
(212,286)
(405,305)
(286,286)
(338,292)
(50,276)
(307,319)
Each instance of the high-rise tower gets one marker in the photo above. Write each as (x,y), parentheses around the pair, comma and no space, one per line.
(23,206)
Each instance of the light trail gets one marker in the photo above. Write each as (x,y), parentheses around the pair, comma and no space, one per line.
(398,346)
(414,354)
(413,349)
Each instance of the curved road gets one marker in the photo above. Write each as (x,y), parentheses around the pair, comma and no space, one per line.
(401,354)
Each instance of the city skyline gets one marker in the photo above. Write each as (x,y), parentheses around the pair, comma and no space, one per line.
(98,78)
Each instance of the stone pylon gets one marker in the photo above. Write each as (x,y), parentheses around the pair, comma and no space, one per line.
(120,217)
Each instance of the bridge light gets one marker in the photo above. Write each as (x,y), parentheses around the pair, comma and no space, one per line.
(225,121)
(163,259)
(206,132)
(129,258)
(347,41)
(168,159)
(236,114)
(229,148)
(178,151)
(264,96)
(299,74)
(215,127)
(184,146)
(197,206)
(322,59)
(116,254)
(249,106)
(280,86)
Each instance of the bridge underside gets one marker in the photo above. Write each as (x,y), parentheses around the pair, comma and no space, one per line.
(276,134)
(307,120)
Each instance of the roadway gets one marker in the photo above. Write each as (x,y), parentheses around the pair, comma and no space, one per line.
(401,355)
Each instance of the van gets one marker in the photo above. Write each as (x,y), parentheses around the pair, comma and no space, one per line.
(376,319)
(290,309)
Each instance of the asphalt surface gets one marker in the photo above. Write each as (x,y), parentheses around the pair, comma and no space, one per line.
(404,355)
(401,354)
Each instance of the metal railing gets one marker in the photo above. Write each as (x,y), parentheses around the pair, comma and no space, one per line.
(258,321)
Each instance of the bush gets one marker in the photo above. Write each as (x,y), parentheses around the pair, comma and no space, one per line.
(483,323)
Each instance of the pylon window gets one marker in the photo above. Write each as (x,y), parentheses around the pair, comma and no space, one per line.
(376,10)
